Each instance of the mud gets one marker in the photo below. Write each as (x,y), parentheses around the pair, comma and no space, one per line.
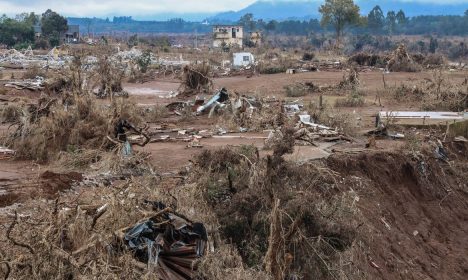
(17,189)
(415,215)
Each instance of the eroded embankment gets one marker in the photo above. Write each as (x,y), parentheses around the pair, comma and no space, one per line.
(373,215)
(414,212)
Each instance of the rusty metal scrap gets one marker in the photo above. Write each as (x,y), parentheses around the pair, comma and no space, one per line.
(169,244)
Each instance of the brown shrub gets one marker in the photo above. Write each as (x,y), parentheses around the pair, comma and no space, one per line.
(365,59)
(11,113)
(354,99)
(434,59)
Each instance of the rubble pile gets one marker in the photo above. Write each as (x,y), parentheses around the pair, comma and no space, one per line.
(36,84)
(15,59)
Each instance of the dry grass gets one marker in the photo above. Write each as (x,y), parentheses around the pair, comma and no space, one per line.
(33,72)
(354,99)
(11,113)
(343,122)
(437,93)
(295,90)
(42,132)
(273,211)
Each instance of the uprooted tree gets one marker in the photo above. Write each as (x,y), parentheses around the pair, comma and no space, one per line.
(196,78)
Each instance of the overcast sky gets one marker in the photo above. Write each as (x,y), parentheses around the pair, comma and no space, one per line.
(136,8)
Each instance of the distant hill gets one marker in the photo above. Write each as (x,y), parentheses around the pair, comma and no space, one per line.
(300,9)
(278,10)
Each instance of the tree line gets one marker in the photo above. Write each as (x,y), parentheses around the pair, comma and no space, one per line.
(19,32)
(343,15)
(338,16)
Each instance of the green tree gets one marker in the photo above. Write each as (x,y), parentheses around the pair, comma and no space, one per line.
(422,46)
(53,26)
(433,45)
(271,25)
(391,21)
(247,21)
(31,18)
(15,33)
(401,17)
(339,14)
(376,19)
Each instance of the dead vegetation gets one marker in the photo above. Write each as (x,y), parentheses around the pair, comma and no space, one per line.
(261,206)
(11,113)
(296,90)
(350,79)
(398,61)
(265,217)
(435,93)
(401,61)
(196,79)
(110,78)
(354,99)
(42,130)
(365,59)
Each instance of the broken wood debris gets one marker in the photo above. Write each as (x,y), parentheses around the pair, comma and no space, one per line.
(31,84)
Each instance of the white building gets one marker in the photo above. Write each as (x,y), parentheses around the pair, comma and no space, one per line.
(227,36)
(242,59)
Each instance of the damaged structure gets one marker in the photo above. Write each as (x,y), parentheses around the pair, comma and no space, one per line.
(228,36)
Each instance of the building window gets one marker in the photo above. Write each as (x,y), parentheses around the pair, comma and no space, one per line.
(246,58)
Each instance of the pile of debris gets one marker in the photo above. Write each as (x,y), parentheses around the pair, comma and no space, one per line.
(401,61)
(30,84)
(219,102)
(350,79)
(6,153)
(365,59)
(306,132)
(128,238)
(169,244)
(22,60)
(196,79)
(330,65)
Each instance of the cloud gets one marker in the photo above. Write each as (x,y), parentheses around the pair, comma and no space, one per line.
(138,8)
(120,7)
